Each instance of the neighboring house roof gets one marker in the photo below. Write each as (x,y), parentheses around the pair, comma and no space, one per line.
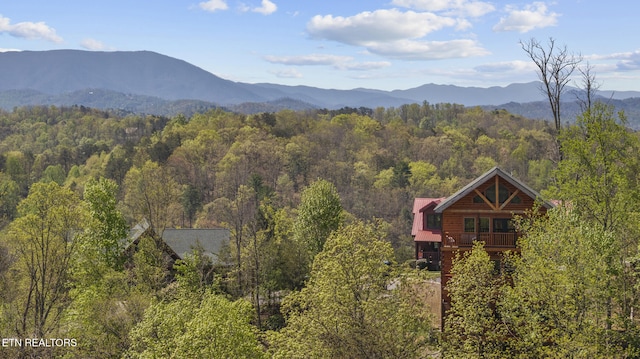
(418,232)
(484,178)
(184,240)
(135,233)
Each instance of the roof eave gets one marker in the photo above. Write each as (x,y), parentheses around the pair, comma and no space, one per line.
(482,179)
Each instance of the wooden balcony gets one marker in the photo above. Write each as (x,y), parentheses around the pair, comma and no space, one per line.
(491,240)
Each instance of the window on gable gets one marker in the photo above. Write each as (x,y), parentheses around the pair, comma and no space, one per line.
(433,221)
(503,193)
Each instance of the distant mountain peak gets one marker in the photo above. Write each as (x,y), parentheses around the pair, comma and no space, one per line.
(148,73)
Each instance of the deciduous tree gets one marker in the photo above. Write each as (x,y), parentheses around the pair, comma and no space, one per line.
(555,65)
(562,282)
(105,238)
(598,179)
(42,241)
(320,213)
(349,308)
(9,198)
(471,327)
(194,327)
(152,192)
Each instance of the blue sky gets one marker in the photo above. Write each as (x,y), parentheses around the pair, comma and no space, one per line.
(345,44)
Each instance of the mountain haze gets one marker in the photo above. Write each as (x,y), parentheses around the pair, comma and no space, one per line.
(141,72)
(148,82)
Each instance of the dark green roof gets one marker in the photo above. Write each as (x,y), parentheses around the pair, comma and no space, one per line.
(184,240)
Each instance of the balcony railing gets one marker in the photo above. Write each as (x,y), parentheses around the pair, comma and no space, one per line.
(503,240)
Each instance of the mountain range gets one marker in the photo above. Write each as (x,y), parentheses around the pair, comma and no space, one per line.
(148,82)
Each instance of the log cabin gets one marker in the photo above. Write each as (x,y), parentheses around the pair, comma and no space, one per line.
(480,211)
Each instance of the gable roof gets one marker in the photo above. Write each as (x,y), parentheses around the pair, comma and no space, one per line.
(184,240)
(484,178)
(135,233)
(181,241)
(417,231)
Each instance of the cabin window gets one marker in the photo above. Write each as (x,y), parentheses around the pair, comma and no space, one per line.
(503,225)
(503,193)
(434,221)
(470,225)
(483,224)
(516,200)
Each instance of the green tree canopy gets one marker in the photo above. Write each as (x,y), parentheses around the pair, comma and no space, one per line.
(42,241)
(190,327)
(472,328)
(348,308)
(319,214)
(562,285)
(105,239)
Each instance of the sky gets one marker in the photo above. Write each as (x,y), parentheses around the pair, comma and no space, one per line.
(342,44)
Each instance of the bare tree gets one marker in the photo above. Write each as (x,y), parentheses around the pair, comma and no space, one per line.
(589,87)
(555,66)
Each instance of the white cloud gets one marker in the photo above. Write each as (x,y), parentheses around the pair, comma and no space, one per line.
(377,26)
(629,61)
(336,61)
(533,16)
(401,34)
(267,8)
(449,7)
(492,74)
(213,5)
(92,44)
(9,50)
(305,60)
(364,66)
(507,66)
(428,50)
(287,74)
(29,30)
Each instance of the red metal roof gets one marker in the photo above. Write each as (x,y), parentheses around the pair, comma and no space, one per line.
(417,231)
(428,236)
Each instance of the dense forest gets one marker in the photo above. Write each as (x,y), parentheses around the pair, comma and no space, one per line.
(319,208)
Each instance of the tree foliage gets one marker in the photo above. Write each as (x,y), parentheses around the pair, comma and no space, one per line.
(285,184)
(347,309)
(196,327)
(598,179)
(598,173)
(319,214)
(472,327)
(152,193)
(562,285)
(106,237)
(42,241)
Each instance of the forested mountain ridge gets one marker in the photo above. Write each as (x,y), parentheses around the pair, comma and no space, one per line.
(148,82)
(415,150)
